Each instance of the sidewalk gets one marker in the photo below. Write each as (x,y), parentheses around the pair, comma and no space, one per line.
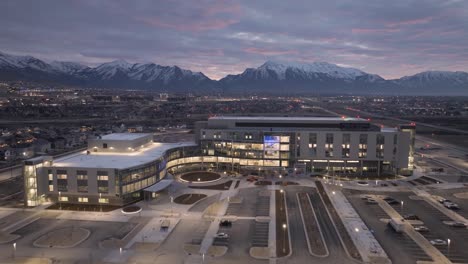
(368,246)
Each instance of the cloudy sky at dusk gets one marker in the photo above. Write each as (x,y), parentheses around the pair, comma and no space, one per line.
(390,38)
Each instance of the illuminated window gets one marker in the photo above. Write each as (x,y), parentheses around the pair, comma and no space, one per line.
(63,199)
(104,200)
(82,199)
(103,178)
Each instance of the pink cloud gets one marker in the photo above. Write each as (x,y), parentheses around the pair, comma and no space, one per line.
(269,52)
(410,22)
(193,26)
(373,30)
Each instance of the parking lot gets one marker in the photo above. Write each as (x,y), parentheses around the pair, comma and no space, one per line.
(248,206)
(241,235)
(432,219)
(399,247)
(449,194)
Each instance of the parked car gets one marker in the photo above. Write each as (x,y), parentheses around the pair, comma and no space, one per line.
(443,200)
(392,201)
(451,205)
(459,224)
(365,197)
(363,183)
(225,223)
(222,235)
(411,217)
(371,201)
(438,242)
(421,229)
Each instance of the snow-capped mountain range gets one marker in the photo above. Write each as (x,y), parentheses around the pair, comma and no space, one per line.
(275,77)
(115,74)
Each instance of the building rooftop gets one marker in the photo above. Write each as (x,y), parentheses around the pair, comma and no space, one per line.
(124,136)
(117,160)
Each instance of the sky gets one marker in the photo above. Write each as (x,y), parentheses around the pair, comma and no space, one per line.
(392,38)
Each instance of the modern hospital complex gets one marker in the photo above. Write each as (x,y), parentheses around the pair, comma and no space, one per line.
(116,169)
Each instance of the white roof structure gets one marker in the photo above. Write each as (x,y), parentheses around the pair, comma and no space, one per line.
(124,136)
(117,160)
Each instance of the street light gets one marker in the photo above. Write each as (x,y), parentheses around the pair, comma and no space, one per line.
(172,201)
(100,204)
(402,207)
(284,238)
(333,192)
(14,249)
(356,229)
(448,248)
(60,200)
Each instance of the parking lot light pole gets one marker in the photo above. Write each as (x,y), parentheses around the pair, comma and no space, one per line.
(172,201)
(100,204)
(14,250)
(448,248)
(284,238)
(402,203)
(282,196)
(60,200)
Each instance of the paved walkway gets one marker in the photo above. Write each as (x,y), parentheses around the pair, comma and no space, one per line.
(368,246)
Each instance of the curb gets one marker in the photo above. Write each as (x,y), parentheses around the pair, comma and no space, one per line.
(289,227)
(336,229)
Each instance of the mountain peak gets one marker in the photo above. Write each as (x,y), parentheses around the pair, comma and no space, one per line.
(314,68)
(117,63)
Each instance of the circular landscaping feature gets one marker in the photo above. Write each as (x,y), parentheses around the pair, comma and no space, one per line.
(63,238)
(189,198)
(200,176)
(133,209)
(286,183)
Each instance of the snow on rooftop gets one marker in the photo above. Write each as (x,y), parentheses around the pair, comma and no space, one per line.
(124,136)
(117,160)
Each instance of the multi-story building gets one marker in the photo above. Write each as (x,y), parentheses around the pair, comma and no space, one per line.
(117,168)
(337,145)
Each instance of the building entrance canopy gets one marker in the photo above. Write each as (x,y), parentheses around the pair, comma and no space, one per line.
(159,186)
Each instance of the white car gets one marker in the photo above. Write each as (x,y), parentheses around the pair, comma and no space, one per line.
(371,201)
(421,229)
(221,235)
(451,205)
(438,242)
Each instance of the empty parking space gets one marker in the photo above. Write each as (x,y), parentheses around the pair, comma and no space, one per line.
(260,234)
(198,234)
